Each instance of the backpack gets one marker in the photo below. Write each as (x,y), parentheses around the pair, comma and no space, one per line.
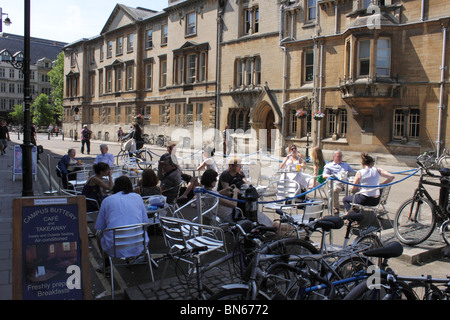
(86,134)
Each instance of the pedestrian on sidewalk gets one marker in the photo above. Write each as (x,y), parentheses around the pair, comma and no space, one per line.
(86,139)
(4,137)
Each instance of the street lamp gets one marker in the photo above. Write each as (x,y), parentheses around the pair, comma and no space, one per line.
(22,62)
(7,21)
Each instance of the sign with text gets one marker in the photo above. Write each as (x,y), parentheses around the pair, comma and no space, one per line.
(17,164)
(50,246)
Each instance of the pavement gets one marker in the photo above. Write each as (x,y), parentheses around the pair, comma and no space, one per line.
(134,283)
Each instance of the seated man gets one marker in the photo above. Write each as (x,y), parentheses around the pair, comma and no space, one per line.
(171,178)
(335,168)
(105,156)
(123,207)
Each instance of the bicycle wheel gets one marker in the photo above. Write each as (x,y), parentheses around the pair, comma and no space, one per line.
(288,249)
(120,156)
(445,231)
(415,221)
(346,268)
(372,241)
(143,158)
(286,282)
(236,294)
(426,291)
(381,292)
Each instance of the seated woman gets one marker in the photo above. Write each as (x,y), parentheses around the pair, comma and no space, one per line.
(227,206)
(94,186)
(147,186)
(65,167)
(123,207)
(369,176)
(292,159)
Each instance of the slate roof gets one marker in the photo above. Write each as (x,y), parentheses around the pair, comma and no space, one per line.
(39,48)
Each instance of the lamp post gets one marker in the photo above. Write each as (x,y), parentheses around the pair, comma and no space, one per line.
(22,62)
(7,21)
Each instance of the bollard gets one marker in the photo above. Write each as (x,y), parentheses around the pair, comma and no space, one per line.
(50,191)
(251,204)
(199,209)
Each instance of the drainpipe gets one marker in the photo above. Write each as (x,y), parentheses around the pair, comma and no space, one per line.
(441,94)
(283,95)
(218,59)
(320,92)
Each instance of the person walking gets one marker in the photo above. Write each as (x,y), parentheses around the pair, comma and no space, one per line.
(86,139)
(226,141)
(4,137)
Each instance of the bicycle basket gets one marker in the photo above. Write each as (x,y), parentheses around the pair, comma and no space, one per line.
(369,222)
(130,145)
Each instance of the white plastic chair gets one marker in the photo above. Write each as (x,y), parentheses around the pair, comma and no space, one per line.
(286,188)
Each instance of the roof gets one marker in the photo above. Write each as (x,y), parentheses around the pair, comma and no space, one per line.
(39,48)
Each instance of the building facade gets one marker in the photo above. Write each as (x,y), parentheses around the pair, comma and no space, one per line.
(376,70)
(43,52)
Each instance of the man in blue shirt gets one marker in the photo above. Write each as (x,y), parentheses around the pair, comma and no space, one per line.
(340,170)
(104,156)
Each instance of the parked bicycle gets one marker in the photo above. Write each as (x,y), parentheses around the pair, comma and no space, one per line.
(417,218)
(162,140)
(142,157)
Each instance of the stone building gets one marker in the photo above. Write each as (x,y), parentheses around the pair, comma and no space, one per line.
(375,69)
(42,54)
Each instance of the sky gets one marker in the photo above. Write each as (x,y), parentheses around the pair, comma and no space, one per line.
(67,20)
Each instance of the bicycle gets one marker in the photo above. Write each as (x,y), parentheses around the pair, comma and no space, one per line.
(142,157)
(430,159)
(417,217)
(244,232)
(274,282)
(384,284)
(368,234)
(162,140)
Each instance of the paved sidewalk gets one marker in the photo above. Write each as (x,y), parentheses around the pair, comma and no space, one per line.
(9,190)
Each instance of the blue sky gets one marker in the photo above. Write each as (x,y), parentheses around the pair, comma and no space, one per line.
(67,20)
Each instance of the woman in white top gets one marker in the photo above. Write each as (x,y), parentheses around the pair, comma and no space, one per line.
(367,176)
(292,159)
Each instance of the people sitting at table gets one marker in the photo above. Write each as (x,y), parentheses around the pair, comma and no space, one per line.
(227,207)
(171,178)
(96,186)
(148,184)
(369,175)
(318,166)
(208,163)
(293,159)
(123,207)
(66,167)
(339,169)
(105,156)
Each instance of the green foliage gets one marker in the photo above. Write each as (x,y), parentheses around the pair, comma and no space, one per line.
(17,114)
(42,111)
(57,81)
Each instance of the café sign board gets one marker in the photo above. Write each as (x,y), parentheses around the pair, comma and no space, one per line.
(50,249)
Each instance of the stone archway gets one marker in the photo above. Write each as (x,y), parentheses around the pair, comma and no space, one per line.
(264,119)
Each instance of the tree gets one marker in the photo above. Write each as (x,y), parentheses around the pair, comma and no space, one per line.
(57,81)
(42,111)
(17,114)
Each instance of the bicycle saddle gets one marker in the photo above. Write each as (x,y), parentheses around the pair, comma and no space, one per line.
(444,172)
(329,222)
(391,250)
